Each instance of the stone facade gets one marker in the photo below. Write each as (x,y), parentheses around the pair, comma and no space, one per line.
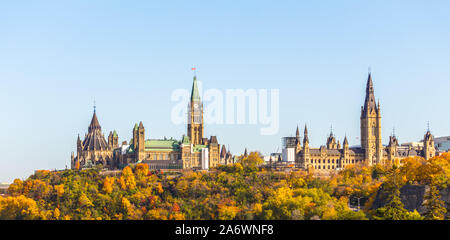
(193,151)
(94,149)
(333,156)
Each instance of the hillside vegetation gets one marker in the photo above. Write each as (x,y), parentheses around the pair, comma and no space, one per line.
(239,191)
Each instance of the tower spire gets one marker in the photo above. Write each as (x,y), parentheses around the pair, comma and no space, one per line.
(94,122)
(195,96)
(305,137)
(369,102)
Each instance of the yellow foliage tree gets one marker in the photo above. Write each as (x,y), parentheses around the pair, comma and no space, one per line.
(56,213)
(108,185)
(141,170)
(127,180)
(84,201)
(18,208)
(16,188)
(252,160)
(59,190)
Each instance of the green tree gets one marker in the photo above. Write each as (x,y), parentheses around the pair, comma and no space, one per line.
(435,209)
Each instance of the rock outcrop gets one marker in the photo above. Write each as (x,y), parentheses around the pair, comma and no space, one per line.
(412,197)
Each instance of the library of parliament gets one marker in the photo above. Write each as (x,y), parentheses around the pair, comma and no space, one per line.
(192,152)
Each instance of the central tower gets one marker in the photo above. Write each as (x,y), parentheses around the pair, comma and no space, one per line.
(195,116)
(371,126)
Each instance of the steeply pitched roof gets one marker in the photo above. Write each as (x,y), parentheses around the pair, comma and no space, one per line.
(305,137)
(345,141)
(94,140)
(94,123)
(195,96)
(369,102)
(223,152)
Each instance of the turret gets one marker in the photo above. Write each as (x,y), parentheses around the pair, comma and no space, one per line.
(392,147)
(345,153)
(304,156)
(305,138)
(345,144)
(135,136)
(331,141)
(110,140)
(72,160)
(428,145)
(79,145)
(298,146)
(115,139)
(140,142)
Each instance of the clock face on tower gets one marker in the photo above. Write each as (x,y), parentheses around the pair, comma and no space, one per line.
(197,113)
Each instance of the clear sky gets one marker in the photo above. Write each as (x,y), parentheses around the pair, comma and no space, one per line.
(56,57)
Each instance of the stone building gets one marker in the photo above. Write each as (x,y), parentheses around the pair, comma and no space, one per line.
(193,151)
(226,157)
(334,156)
(94,149)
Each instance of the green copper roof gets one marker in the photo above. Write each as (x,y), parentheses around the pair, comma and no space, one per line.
(130,149)
(194,94)
(136,126)
(161,144)
(198,148)
(185,140)
(115,133)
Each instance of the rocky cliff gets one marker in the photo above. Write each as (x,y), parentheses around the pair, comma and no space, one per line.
(412,197)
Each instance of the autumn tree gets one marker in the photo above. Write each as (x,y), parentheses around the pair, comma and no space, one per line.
(18,208)
(435,207)
(127,179)
(252,161)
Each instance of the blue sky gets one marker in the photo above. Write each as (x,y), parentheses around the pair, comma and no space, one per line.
(56,57)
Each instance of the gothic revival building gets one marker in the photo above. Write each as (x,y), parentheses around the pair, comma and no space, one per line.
(333,156)
(192,151)
(94,149)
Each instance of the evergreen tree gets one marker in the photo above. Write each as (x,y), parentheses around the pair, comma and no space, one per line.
(435,209)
